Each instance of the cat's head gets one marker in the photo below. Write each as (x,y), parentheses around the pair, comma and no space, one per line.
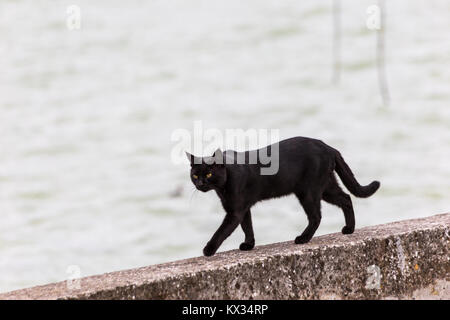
(208,173)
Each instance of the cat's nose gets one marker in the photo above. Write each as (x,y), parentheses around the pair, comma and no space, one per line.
(200,183)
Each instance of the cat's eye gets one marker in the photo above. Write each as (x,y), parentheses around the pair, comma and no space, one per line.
(209,175)
(195,176)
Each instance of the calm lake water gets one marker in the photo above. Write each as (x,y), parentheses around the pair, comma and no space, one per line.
(86,117)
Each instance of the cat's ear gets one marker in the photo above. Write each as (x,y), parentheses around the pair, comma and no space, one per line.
(193,159)
(218,156)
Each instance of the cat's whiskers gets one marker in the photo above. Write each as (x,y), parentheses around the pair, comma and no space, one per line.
(192,194)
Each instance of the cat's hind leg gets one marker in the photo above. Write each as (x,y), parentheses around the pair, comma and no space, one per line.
(335,195)
(311,205)
(247,227)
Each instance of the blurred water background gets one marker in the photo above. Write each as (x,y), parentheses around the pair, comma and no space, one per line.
(86,118)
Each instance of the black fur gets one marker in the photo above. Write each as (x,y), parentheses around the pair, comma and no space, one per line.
(305,169)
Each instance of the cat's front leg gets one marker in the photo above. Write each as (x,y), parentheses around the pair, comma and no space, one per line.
(247,227)
(229,224)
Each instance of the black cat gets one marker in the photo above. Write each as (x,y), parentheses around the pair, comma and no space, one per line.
(305,168)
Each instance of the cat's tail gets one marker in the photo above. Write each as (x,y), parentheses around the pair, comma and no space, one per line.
(350,182)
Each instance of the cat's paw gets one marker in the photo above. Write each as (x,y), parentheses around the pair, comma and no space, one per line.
(246,246)
(302,239)
(209,250)
(348,230)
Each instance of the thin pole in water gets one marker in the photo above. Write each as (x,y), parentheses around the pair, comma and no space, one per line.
(381,65)
(336,41)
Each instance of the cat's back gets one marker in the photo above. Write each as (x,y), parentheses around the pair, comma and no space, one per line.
(301,146)
(285,149)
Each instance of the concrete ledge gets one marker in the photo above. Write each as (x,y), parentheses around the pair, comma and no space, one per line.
(412,257)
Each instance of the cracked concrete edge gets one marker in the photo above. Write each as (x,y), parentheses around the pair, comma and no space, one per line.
(398,260)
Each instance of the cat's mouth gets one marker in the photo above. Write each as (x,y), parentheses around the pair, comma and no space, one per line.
(204,188)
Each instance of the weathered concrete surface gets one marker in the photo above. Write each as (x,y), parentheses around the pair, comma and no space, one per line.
(412,257)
